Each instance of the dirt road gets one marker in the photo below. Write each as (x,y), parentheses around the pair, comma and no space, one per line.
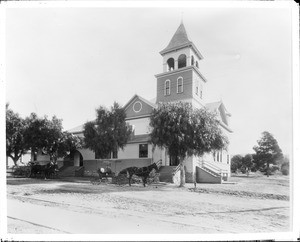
(37,206)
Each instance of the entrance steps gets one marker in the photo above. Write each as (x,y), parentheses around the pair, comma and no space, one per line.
(166,173)
(68,171)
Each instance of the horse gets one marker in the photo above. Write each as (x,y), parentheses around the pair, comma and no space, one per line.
(46,170)
(141,172)
(51,170)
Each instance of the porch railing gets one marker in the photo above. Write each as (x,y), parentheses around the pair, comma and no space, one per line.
(177,169)
(159,163)
(214,168)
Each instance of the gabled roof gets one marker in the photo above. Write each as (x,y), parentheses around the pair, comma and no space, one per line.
(219,107)
(77,129)
(139,97)
(213,106)
(180,40)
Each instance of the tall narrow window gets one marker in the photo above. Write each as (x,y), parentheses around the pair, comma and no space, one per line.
(197,64)
(143,150)
(180,85)
(167,87)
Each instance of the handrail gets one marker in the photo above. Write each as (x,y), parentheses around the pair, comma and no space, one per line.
(158,163)
(217,169)
(79,168)
(176,169)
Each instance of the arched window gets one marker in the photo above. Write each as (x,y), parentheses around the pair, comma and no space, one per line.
(170,63)
(192,61)
(167,87)
(182,61)
(179,85)
(197,64)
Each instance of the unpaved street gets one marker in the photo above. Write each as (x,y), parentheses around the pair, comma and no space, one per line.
(38,206)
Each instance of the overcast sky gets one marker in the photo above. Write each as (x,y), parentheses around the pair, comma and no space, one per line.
(68,61)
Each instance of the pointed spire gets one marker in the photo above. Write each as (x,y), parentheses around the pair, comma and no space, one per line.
(180,40)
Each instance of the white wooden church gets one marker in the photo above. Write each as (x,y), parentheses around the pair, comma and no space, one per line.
(180,80)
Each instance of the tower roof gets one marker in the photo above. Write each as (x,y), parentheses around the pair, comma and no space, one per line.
(180,40)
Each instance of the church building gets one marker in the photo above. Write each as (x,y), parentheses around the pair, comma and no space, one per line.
(180,80)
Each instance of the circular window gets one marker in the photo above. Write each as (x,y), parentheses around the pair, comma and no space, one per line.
(137,106)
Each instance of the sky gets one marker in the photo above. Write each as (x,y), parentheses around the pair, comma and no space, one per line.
(69,61)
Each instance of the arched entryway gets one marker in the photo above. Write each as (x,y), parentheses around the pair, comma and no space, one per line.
(78,159)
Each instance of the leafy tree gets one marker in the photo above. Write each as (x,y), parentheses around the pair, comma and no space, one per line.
(242,163)
(247,163)
(59,143)
(36,133)
(285,165)
(15,128)
(47,136)
(236,163)
(185,131)
(109,132)
(267,151)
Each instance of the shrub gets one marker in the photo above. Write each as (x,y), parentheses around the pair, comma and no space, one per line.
(285,168)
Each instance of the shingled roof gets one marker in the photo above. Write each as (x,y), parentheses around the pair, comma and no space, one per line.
(180,40)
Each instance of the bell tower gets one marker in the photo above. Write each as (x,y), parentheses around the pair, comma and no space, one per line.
(181,79)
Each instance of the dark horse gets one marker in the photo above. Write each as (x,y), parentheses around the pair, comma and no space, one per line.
(46,170)
(141,172)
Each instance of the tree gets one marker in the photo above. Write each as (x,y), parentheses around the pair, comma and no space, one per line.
(247,163)
(236,163)
(36,133)
(285,168)
(59,143)
(47,136)
(109,132)
(242,163)
(185,131)
(267,151)
(15,128)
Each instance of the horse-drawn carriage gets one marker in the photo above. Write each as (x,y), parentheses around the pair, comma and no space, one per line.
(43,171)
(147,174)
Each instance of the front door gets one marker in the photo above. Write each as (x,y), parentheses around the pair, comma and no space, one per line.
(78,159)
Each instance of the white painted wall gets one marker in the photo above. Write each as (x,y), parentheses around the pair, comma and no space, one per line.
(141,125)
(24,158)
(87,154)
(131,151)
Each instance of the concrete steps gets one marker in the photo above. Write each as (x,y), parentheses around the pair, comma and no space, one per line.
(68,171)
(205,175)
(166,173)
(211,172)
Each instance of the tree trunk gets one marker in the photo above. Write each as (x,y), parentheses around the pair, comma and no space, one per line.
(268,169)
(15,160)
(182,172)
(32,156)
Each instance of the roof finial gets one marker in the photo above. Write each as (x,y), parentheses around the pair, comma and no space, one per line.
(181,22)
